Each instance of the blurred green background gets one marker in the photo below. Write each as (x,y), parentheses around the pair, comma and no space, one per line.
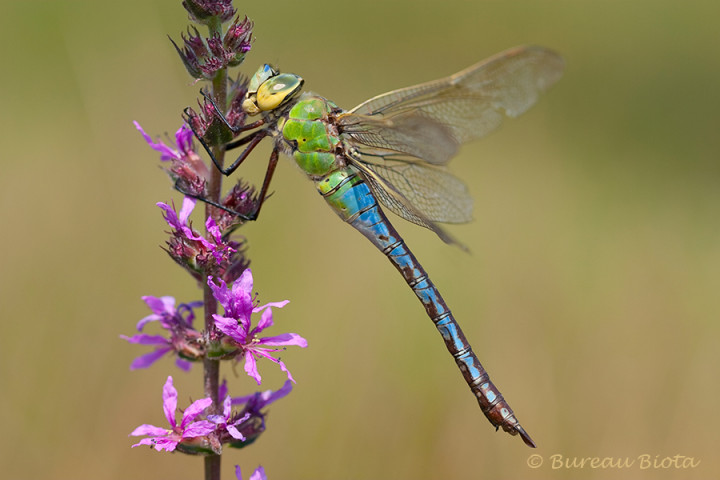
(591,294)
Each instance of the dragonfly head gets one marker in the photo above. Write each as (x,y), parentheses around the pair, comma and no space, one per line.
(269,89)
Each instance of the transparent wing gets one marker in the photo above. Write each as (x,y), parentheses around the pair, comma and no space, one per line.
(408,136)
(428,122)
(437,194)
(396,202)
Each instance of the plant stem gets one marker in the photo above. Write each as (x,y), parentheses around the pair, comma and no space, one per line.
(211,377)
(212,367)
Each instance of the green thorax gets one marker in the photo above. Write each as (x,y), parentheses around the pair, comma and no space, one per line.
(311,134)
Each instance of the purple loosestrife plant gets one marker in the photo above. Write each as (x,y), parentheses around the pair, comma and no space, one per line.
(217,262)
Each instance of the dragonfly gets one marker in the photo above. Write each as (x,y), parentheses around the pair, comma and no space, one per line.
(391,152)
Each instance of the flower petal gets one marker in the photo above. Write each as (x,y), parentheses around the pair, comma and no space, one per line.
(170,216)
(166,153)
(198,429)
(223,390)
(266,320)
(244,283)
(234,432)
(251,367)
(227,406)
(262,352)
(271,304)
(152,430)
(170,401)
(283,340)
(183,138)
(160,305)
(216,419)
(231,328)
(145,441)
(195,409)
(145,339)
(213,229)
(166,443)
(269,396)
(146,360)
(187,208)
(191,305)
(144,321)
(183,365)
(220,292)
(259,474)
(284,369)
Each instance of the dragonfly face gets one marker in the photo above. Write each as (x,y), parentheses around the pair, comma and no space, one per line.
(270,89)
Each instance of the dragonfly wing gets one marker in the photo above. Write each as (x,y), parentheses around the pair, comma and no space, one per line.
(405,137)
(409,135)
(432,190)
(396,202)
(456,109)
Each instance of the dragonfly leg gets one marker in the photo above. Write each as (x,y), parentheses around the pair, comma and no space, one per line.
(253,139)
(203,199)
(272,163)
(263,195)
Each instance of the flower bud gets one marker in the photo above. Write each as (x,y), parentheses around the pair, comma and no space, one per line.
(207,11)
(203,57)
(238,39)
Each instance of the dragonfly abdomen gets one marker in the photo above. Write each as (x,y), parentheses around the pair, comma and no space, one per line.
(351,198)
(491,401)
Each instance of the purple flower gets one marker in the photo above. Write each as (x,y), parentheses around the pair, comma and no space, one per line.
(168,439)
(236,324)
(198,254)
(183,140)
(259,400)
(186,166)
(254,423)
(183,231)
(181,225)
(228,421)
(183,339)
(240,429)
(164,311)
(259,473)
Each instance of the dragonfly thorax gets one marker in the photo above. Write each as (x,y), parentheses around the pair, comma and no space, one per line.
(310,135)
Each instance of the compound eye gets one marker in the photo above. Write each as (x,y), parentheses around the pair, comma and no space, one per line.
(277,90)
(263,73)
